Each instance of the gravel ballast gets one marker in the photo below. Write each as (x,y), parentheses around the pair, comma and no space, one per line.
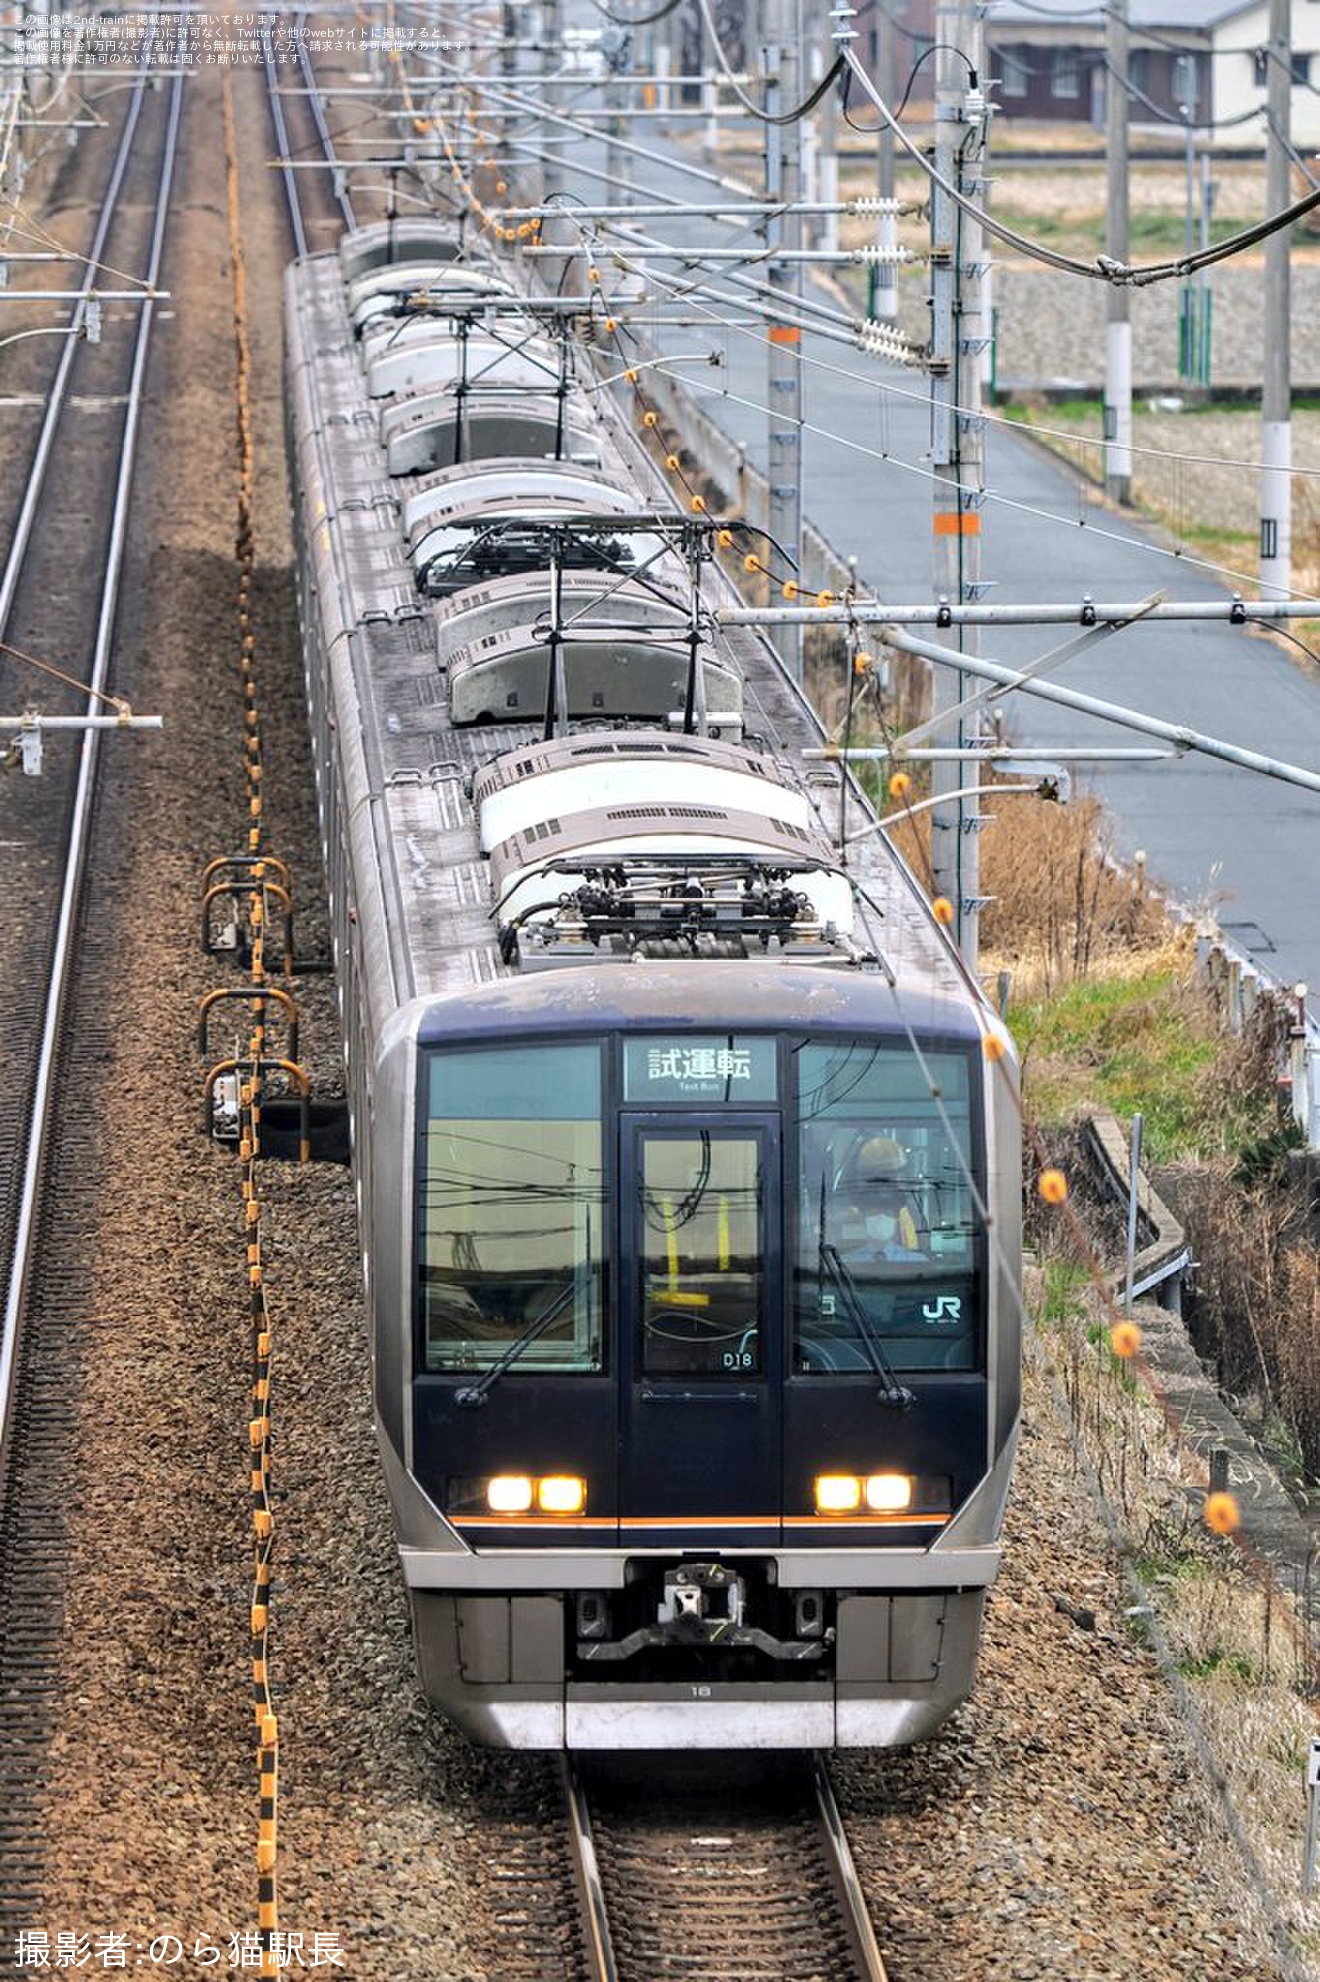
(1061,1825)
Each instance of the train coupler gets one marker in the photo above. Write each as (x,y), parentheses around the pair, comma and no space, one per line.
(702,1604)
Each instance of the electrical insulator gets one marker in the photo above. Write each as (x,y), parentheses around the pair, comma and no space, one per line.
(875,254)
(880,340)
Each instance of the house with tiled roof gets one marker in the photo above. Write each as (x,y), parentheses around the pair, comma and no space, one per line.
(1203,60)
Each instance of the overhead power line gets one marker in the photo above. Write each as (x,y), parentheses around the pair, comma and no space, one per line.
(1102,269)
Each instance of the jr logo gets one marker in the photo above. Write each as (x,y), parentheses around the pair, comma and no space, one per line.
(944,1311)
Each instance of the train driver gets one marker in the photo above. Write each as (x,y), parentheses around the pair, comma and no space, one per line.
(879,1216)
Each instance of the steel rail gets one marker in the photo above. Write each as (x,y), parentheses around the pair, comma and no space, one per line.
(843,1872)
(847,1887)
(317,104)
(282,145)
(80,829)
(586,1877)
(60,384)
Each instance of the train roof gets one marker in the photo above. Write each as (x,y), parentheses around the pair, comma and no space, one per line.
(573,881)
(672,998)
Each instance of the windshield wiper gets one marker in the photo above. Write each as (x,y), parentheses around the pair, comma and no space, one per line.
(893,1393)
(477,1393)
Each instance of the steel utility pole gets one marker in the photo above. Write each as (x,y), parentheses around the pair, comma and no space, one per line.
(1276,382)
(958,333)
(1118,331)
(783,178)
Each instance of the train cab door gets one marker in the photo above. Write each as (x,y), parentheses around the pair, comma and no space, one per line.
(701,1352)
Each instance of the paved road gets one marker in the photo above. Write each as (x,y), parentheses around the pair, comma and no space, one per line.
(1247,845)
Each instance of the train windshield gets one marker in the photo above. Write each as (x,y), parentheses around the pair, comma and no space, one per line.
(513,1230)
(701,1245)
(886,1251)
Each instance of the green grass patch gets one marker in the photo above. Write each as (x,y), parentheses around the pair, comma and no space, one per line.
(1133,1043)
(1054,412)
(1152,231)
(1217,1660)
(1065,1284)
(1121,1043)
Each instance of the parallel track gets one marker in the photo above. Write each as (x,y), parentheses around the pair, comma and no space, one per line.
(58,600)
(301,130)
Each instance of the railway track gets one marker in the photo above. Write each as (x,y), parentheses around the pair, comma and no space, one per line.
(59,597)
(319,211)
(716,1866)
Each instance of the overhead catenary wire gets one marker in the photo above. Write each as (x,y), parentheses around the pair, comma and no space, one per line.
(692,292)
(1201,125)
(935,48)
(1102,269)
(996,497)
(516,99)
(687,290)
(684,290)
(634,20)
(792,116)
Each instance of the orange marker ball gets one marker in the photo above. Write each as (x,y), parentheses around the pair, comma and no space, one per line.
(672,461)
(900,786)
(751,562)
(650,418)
(994,1046)
(1053,1186)
(1222,1514)
(942,910)
(724,539)
(789,588)
(1125,1339)
(698,505)
(824,599)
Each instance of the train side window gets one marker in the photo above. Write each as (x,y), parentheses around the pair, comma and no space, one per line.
(512,1242)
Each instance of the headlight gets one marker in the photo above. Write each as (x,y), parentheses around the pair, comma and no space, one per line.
(838,1493)
(561,1493)
(876,1493)
(513,1494)
(509,1493)
(888,1493)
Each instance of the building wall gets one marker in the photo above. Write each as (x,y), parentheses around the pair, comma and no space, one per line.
(1057,73)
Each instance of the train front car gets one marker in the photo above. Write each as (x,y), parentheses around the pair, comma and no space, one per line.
(694,1441)
(688,1159)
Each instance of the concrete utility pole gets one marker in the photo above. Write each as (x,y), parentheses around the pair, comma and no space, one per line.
(958,333)
(827,143)
(883,300)
(782,66)
(1118,331)
(552,178)
(1276,381)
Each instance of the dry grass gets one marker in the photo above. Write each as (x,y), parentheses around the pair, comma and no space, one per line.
(1072,925)
(1231,1633)
(1255,1309)
(1196,472)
